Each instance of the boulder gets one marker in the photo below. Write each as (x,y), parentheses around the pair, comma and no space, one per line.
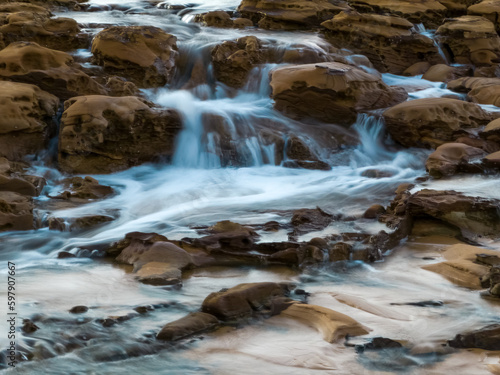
(428,12)
(308,220)
(489,9)
(452,158)
(51,70)
(217,18)
(290,15)
(487,338)
(144,54)
(332,324)
(492,160)
(244,300)
(469,40)
(389,42)
(84,188)
(139,240)
(330,92)
(446,73)
(27,120)
(192,324)
(52,4)
(100,134)
(433,121)
(16,212)
(479,90)
(474,216)
(417,69)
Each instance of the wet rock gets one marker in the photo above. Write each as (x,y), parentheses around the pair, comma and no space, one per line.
(89,221)
(487,338)
(192,324)
(144,54)
(417,69)
(479,90)
(80,309)
(51,70)
(469,40)
(297,14)
(332,324)
(138,242)
(378,343)
(330,92)
(492,160)
(340,251)
(227,236)
(216,18)
(271,226)
(63,254)
(118,86)
(159,251)
(308,220)
(302,156)
(492,132)
(29,327)
(421,304)
(27,121)
(84,188)
(374,211)
(16,211)
(389,42)
(101,134)
(242,23)
(473,215)
(446,73)
(431,122)
(233,60)
(243,300)
(18,185)
(452,158)
(492,281)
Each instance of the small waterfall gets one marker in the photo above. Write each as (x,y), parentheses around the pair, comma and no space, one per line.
(371,130)
(420,28)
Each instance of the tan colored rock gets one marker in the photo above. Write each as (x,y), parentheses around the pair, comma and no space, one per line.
(27,119)
(431,122)
(192,324)
(16,211)
(332,324)
(101,134)
(144,54)
(460,267)
(51,4)
(469,40)
(290,15)
(51,70)
(446,73)
(479,90)
(429,12)
(451,158)
(216,18)
(391,43)
(330,92)
(492,160)
(84,189)
(417,69)
(489,9)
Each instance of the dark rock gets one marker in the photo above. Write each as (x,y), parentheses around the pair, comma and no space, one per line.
(29,326)
(378,343)
(308,220)
(192,324)
(79,309)
(487,338)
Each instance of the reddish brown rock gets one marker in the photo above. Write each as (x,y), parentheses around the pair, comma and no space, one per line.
(391,43)
(16,212)
(330,92)
(431,122)
(479,90)
(27,119)
(217,18)
(101,134)
(144,54)
(446,73)
(192,324)
(489,9)
(452,158)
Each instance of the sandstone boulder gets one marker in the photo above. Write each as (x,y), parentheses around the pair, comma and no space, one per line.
(389,42)
(53,71)
(144,54)
(27,119)
(101,134)
(479,90)
(330,92)
(469,40)
(489,9)
(308,220)
(84,188)
(16,211)
(192,324)
(452,158)
(290,15)
(446,73)
(433,121)
(217,18)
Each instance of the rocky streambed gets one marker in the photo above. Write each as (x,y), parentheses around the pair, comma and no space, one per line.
(289,187)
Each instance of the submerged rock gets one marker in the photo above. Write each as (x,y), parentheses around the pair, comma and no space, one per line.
(378,343)
(487,338)
(330,92)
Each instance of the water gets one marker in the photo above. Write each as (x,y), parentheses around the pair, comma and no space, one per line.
(229,171)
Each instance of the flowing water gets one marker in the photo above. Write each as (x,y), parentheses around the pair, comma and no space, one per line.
(200,188)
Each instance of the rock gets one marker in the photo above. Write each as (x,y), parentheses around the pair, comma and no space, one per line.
(487,338)
(243,300)
(62,254)
(469,40)
(51,70)
(29,22)
(389,42)
(242,23)
(491,133)
(228,237)
(89,221)
(428,12)
(16,211)
(84,188)
(339,252)
(158,251)
(332,324)
(374,211)
(233,60)
(144,54)
(80,309)
(473,215)
(308,220)
(417,69)
(452,158)
(479,90)
(18,185)
(378,343)
(492,279)
(138,241)
(492,160)
(290,15)
(27,121)
(159,273)
(489,9)
(101,134)
(29,327)
(431,122)
(460,265)
(192,324)
(217,18)
(302,155)
(118,86)
(330,92)
(445,73)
